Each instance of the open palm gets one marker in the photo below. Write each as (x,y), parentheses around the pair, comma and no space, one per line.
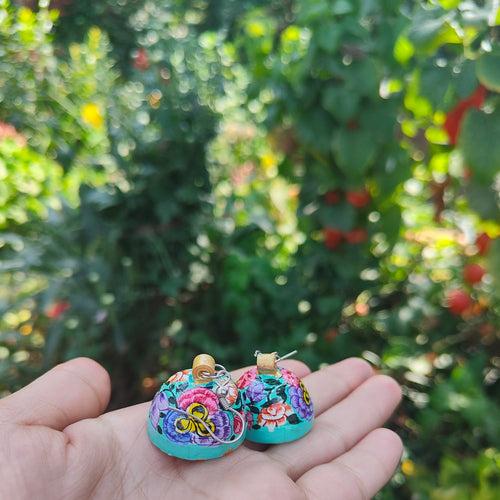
(55,442)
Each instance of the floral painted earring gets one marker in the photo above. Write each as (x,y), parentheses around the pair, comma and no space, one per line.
(278,406)
(197,413)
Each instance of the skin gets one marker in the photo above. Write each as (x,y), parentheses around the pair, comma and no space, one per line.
(57,442)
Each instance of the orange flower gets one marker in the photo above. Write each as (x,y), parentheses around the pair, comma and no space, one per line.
(274,415)
(179,376)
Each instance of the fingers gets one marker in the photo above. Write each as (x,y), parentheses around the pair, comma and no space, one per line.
(359,473)
(71,391)
(332,384)
(299,368)
(338,429)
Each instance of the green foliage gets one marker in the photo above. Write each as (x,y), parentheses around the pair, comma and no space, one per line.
(481,155)
(29,183)
(175,176)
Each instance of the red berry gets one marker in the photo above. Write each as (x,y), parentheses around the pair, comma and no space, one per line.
(483,243)
(454,117)
(56,309)
(332,197)
(333,238)
(458,301)
(356,236)
(358,199)
(473,273)
(141,60)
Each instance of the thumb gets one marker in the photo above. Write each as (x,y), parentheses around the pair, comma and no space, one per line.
(71,391)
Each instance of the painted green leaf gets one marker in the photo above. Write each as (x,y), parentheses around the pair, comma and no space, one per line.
(480,145)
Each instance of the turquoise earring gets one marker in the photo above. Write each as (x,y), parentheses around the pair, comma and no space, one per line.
(197,413)
(278,406)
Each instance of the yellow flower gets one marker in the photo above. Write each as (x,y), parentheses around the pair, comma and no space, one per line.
(92,115)
(408,467)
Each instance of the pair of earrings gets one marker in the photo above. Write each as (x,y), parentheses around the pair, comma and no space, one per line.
(202,413)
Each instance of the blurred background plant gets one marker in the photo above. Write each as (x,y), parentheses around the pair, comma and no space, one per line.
(179,177)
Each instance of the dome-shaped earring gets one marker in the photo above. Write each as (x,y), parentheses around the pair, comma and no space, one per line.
(197,413)
(278,406)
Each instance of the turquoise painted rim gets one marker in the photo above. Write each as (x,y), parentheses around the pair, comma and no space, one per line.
(283,434)
(190,451)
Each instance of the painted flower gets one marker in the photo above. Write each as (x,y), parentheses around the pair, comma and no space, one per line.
(238,422)
(301,401)
(290,377)
(255,391)
(180,376)
(249,418)
(199,395)
(274,415)
(231,394)
(247,377)
(160,403)
(173,430)
(219,423)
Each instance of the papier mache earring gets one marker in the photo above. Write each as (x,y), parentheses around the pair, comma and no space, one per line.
(197,414)
(278,406)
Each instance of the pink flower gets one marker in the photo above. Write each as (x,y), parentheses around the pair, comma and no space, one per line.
(290,377)
(274,415)
(199,395)
(247,377)
(238,423)
(179,376)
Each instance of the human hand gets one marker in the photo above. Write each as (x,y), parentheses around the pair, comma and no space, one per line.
(55,442)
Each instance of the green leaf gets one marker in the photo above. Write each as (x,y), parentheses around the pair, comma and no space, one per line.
(341,7)
(488,70)
(363,77)
(340,102)
(429,32)
(434,83)
(480,145)
(340,216)
(449,4)
(328,36)
(354,151)
(482,199)
(403,50)
(380,119)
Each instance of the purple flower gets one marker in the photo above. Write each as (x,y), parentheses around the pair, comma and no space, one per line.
(222,430)
(171,430)
(255,391)
(301,402)
(160,403)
